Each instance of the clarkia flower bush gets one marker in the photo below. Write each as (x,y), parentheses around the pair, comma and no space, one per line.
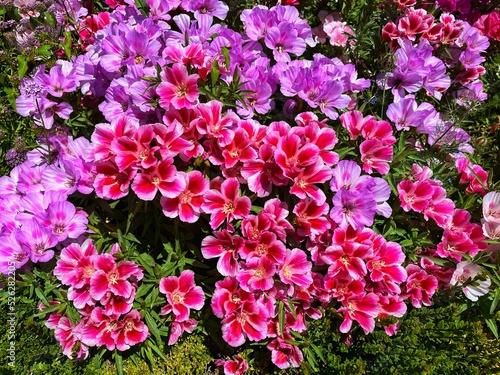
(238,184)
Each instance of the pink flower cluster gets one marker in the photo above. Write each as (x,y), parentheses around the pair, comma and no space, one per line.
(103,292)
(35,215)
(333,29)
(376,150)
(426,195)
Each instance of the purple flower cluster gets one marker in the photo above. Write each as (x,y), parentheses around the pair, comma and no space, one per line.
(35,215)
(40,94)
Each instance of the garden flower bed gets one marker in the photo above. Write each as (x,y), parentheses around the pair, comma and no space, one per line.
(263,187)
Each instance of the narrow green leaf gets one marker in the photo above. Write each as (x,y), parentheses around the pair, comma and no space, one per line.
(492,325)
(119,362)
(23,66)
(495,301)
(215,73)
(153,328)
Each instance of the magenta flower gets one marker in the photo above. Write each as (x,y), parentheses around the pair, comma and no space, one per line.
(37,240)
(225,246)
(187,205)
(249,321)
(178,88)
(130,331)
(161,177)
(75,266)
(362,308)
(257,274)
(182,295)
(112,277)
(226,204)
(11,253)
(296,269)
(420,286)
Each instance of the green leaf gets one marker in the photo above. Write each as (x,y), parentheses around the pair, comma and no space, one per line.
(119,362)
(495,301)
(492,325)
(153,328)
(23,66)
(42,297)
(68,39)
(215,73)
(44,50)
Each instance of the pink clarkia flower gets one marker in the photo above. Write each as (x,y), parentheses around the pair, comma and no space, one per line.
(468,175)
(226,204)
(257,274)
(182,295)
(162,177)
(284,354)
(296,269)
(135,151)
(311,218)
(362,308)
(292,154)
(249,321)
(104,134)
(263,172)
(187,205)
(179,327)
(235,366)
(130,331)
(75,266)
(100,329)
(211,122)
(69,337)
(178,88)
(112,277)
(376,155)
(225,246)
(228,297)
(420,286)
(387,264)
(415,195)
(305,182)
(110,183)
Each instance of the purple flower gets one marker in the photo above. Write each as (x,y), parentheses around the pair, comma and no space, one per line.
(11,254)
(61,79)
(284,39)
(258,101)
(63,219)
(405,113)
(213,8)
(37,241)
(355,209)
